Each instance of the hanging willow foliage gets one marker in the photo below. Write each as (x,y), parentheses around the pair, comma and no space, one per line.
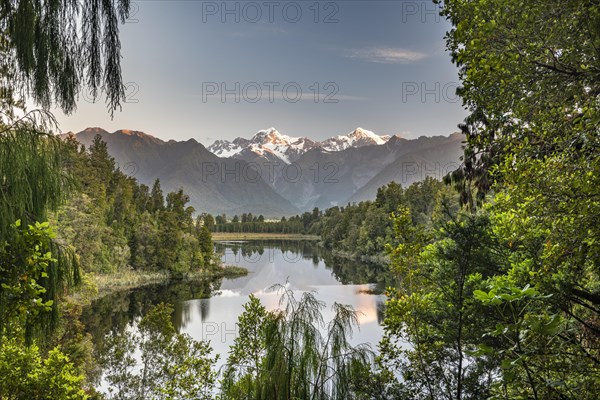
(61,274)
(31,176)
(32,182)
(297,356)
(51,49)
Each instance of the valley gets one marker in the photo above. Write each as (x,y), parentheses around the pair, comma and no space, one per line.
(274,175)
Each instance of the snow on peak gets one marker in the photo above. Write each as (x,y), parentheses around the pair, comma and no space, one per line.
(271,141)
(272,136)
(358,138)
(225,148)
(360,133)
(289,149)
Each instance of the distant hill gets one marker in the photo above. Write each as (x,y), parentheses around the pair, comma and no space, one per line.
(215,185)
(436,157)
(324,176)
(274,174)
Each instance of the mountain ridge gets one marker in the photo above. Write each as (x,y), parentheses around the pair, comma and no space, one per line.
(288,149)
(277,174)
(189,165)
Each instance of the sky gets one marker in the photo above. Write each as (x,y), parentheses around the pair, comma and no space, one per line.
(218,70)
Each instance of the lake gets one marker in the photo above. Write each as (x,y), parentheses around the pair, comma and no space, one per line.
(208,310)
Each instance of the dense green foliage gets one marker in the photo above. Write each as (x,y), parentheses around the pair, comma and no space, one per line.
(361,229)
(479,326)
(50,50)
(25,375)
(530,74)
(31,282)
(33,180)
(116,224)
(435,311)
(172,365)
(503,302)
(24,265)
(366,228)
(32,183)
(247,223)
(103,225)
(498,300)
(285,355)
(35,270)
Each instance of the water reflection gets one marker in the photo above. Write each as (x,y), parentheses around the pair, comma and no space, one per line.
(114,312)
(274,261)
(208,310)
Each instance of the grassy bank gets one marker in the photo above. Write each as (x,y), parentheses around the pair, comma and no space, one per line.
(261,236)
(95,286)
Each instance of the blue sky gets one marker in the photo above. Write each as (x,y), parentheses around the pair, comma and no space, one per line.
(218,70)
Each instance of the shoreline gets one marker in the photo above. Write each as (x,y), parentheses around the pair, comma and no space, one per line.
(381,259)
(217,236)
(95,286)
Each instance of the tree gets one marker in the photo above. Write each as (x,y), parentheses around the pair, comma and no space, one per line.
(45,53)
(24,374)
(170,240)
(101,162)
(530,74)
(26,297)
(205,244)
(209,221)
(33,180)
(41,51)
(527,334)
(435,310)
(24,266)
(221,219)
(31,280)
(157,200)
(290,357)
(172,365)
(247,352)
(32,183)
(176,203)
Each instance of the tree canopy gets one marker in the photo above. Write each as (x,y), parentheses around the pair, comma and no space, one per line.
(529,73)
(51,50)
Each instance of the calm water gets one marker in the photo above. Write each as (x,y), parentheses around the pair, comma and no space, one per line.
(209,310)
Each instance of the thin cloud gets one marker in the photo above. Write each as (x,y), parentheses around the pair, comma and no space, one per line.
(386,55)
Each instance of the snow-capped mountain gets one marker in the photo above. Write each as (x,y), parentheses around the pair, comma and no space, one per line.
(358,138)
(269,143)
(274,174)
(189,165)
(225,148)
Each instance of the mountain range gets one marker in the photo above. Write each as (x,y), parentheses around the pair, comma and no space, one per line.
(275,174)
(289,149)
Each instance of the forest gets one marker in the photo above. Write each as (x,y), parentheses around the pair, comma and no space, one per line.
(114,223)
(498,267)
(356,230)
